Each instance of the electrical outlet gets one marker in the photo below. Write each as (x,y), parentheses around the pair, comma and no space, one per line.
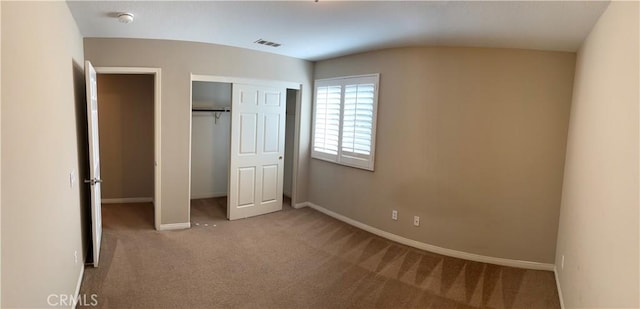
(75,256)
(562,262)
(416,220)
(394,214)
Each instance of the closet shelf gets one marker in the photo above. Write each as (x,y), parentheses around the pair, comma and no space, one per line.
(226,109)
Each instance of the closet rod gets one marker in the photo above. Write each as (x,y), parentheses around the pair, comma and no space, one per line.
(210,110)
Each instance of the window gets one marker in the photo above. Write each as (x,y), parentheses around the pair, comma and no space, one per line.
(344,120)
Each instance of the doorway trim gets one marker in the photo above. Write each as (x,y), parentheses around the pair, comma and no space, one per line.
(265,82)
(157,149)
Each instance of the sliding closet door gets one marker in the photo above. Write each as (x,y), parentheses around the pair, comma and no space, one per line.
(257,149)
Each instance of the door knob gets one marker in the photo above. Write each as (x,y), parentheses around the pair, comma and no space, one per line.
(93,181)
(280,158)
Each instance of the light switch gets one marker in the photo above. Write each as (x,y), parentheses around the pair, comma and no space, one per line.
(72,178)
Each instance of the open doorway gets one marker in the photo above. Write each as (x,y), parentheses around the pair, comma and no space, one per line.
(129,135)
(211,131)
(125,121)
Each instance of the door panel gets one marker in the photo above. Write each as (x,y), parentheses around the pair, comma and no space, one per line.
(272,98)
(248,134)
(271,133)
(269,183)
(94,160)
(257,149)
(246,186)
(249,98)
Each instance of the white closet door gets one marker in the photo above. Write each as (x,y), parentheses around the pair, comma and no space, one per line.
(257,150)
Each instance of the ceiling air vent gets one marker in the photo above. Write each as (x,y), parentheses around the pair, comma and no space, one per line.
(267,43)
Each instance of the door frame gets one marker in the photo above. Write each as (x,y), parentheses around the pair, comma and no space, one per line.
(263,82)
(157,139)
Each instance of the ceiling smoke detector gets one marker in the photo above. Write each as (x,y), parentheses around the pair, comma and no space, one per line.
(267,43)
(125,18)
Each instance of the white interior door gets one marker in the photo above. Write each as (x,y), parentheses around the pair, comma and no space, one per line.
(257,148)
(94,159)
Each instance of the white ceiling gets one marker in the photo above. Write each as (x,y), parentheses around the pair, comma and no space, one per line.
(326,29)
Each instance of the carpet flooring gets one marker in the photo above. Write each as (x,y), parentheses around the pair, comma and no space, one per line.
(295,258)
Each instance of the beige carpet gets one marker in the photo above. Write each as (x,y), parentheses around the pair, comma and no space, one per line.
(289,259)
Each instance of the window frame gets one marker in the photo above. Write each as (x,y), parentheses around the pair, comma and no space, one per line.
(366,162)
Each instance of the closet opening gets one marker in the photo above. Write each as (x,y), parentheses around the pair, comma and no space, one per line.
(212,116)
(126,122)
(289,145)
(210,142)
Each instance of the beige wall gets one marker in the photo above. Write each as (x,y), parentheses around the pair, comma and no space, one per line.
(178,60)
(471,140)
(42,109)
(125,112)
(598,234)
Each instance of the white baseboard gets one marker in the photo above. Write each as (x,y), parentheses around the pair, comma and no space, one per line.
(77,292)
(126,200)
(428,247)
(175,226)
(208,195)
(555,273)
(301,205)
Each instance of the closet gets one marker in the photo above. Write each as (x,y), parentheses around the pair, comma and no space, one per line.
(292,97)
(210,139)
(262,119)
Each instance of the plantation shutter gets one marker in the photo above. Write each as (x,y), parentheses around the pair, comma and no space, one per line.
(327,121)
(357,122)
(345,120)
